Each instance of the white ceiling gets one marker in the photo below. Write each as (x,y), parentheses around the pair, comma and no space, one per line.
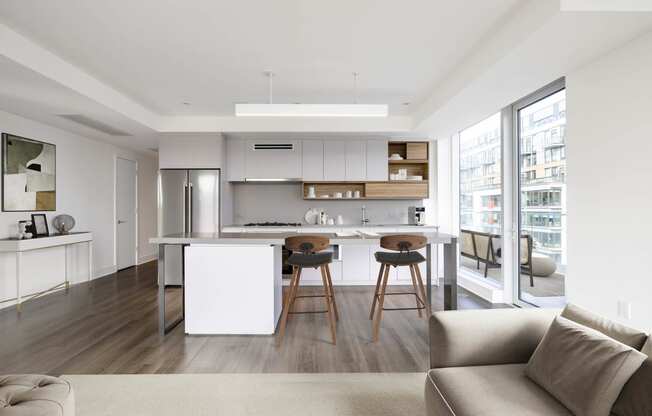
(29,94)
(212,53)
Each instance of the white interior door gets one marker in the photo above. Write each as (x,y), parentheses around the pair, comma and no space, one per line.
(126,213)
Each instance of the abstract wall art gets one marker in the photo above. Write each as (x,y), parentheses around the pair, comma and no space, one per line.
(28,174)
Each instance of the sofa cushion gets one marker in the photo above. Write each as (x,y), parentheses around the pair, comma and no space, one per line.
(35,395)
(583,368)
(490,390)
(647,348)
(636,397)
(628,336)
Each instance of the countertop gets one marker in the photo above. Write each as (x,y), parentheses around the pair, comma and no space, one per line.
(249,238)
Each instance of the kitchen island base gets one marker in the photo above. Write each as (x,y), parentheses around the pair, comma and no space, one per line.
(232,289)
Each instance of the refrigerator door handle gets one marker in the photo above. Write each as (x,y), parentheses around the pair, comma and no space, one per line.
(184,217)
(190,208)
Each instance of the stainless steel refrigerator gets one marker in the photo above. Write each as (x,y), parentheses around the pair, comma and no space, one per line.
(188,202)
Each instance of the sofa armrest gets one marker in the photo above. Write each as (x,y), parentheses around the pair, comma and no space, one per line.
(486,337)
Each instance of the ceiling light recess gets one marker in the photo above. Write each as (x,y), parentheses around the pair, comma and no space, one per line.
(310,110)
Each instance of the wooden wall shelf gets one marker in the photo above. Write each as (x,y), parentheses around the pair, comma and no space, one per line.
(407,161)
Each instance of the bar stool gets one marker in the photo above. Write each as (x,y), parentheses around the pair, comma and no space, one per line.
(306,254)
(404,245)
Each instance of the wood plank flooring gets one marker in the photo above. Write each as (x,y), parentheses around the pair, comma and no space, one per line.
(109,326)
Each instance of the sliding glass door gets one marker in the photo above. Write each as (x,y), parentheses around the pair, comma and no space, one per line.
(541,174)
(481,199)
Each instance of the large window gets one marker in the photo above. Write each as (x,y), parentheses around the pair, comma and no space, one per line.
(481,198)
(542,199)
(516,240)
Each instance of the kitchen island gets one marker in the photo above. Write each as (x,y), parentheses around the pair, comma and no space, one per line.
(232,282)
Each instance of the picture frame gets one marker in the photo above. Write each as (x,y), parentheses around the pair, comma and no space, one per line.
(28,174)
(40,225)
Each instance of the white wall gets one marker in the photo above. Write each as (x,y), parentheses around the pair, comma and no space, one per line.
(609,148)
(85,190)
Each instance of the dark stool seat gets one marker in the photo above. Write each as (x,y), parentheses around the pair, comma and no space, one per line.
(310,260)
(400,259)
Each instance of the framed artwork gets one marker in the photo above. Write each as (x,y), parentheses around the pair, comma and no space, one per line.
(40,225)
(28,174)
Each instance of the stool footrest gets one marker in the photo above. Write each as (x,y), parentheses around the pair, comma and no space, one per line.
(310,296)
(305,312)
(404,309)
(398,293)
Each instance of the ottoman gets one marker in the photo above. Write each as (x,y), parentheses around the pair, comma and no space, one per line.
(35,395)
(542,265)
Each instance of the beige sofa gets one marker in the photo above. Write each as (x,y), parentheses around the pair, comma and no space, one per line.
(478,359)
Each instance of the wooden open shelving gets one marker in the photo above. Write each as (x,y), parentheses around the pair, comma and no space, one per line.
(415,160)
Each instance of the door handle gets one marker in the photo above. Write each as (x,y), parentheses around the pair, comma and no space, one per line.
(190,208)
(121,222)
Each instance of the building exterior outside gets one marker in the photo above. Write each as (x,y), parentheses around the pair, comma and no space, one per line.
(542,159)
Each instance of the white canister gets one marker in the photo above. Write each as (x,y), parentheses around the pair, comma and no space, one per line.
(356,194)
(349,194)
(340,220)
(311,192)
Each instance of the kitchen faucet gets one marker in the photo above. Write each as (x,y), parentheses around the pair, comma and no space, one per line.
(365,220)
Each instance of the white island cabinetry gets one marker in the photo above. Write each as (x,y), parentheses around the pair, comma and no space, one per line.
(232,289)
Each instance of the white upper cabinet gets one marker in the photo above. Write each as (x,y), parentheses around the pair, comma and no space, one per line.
(273,159)
(356,160)
(312,160)
(235,160)
(334,160)
(377,160)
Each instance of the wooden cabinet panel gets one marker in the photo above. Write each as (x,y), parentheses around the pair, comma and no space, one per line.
(312,160)
(377,160)
(355,160)
(417,150)
(334,160)
(417,190)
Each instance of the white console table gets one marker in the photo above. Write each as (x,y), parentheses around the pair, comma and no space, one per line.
(19,246)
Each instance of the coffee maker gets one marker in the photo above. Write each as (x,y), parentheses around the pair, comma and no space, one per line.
(417,215)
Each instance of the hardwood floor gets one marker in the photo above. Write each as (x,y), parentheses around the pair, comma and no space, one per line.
(109,326)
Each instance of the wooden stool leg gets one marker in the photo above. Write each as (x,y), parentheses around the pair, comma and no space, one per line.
(381,301)
(424,297)
(330,285)
(329,309)
(378,281)
(286,308)
(295,289)
(416,290)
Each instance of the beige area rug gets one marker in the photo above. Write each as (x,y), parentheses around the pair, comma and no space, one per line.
(381,394)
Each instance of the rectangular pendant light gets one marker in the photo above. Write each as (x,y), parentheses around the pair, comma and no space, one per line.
(311,110)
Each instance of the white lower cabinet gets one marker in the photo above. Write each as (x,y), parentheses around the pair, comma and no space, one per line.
(355,263)
(314,275)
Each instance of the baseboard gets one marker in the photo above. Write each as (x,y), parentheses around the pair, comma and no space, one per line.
(103,271)
(147,258)
(483,289)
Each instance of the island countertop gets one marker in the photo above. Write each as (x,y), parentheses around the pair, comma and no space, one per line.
(279,238)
